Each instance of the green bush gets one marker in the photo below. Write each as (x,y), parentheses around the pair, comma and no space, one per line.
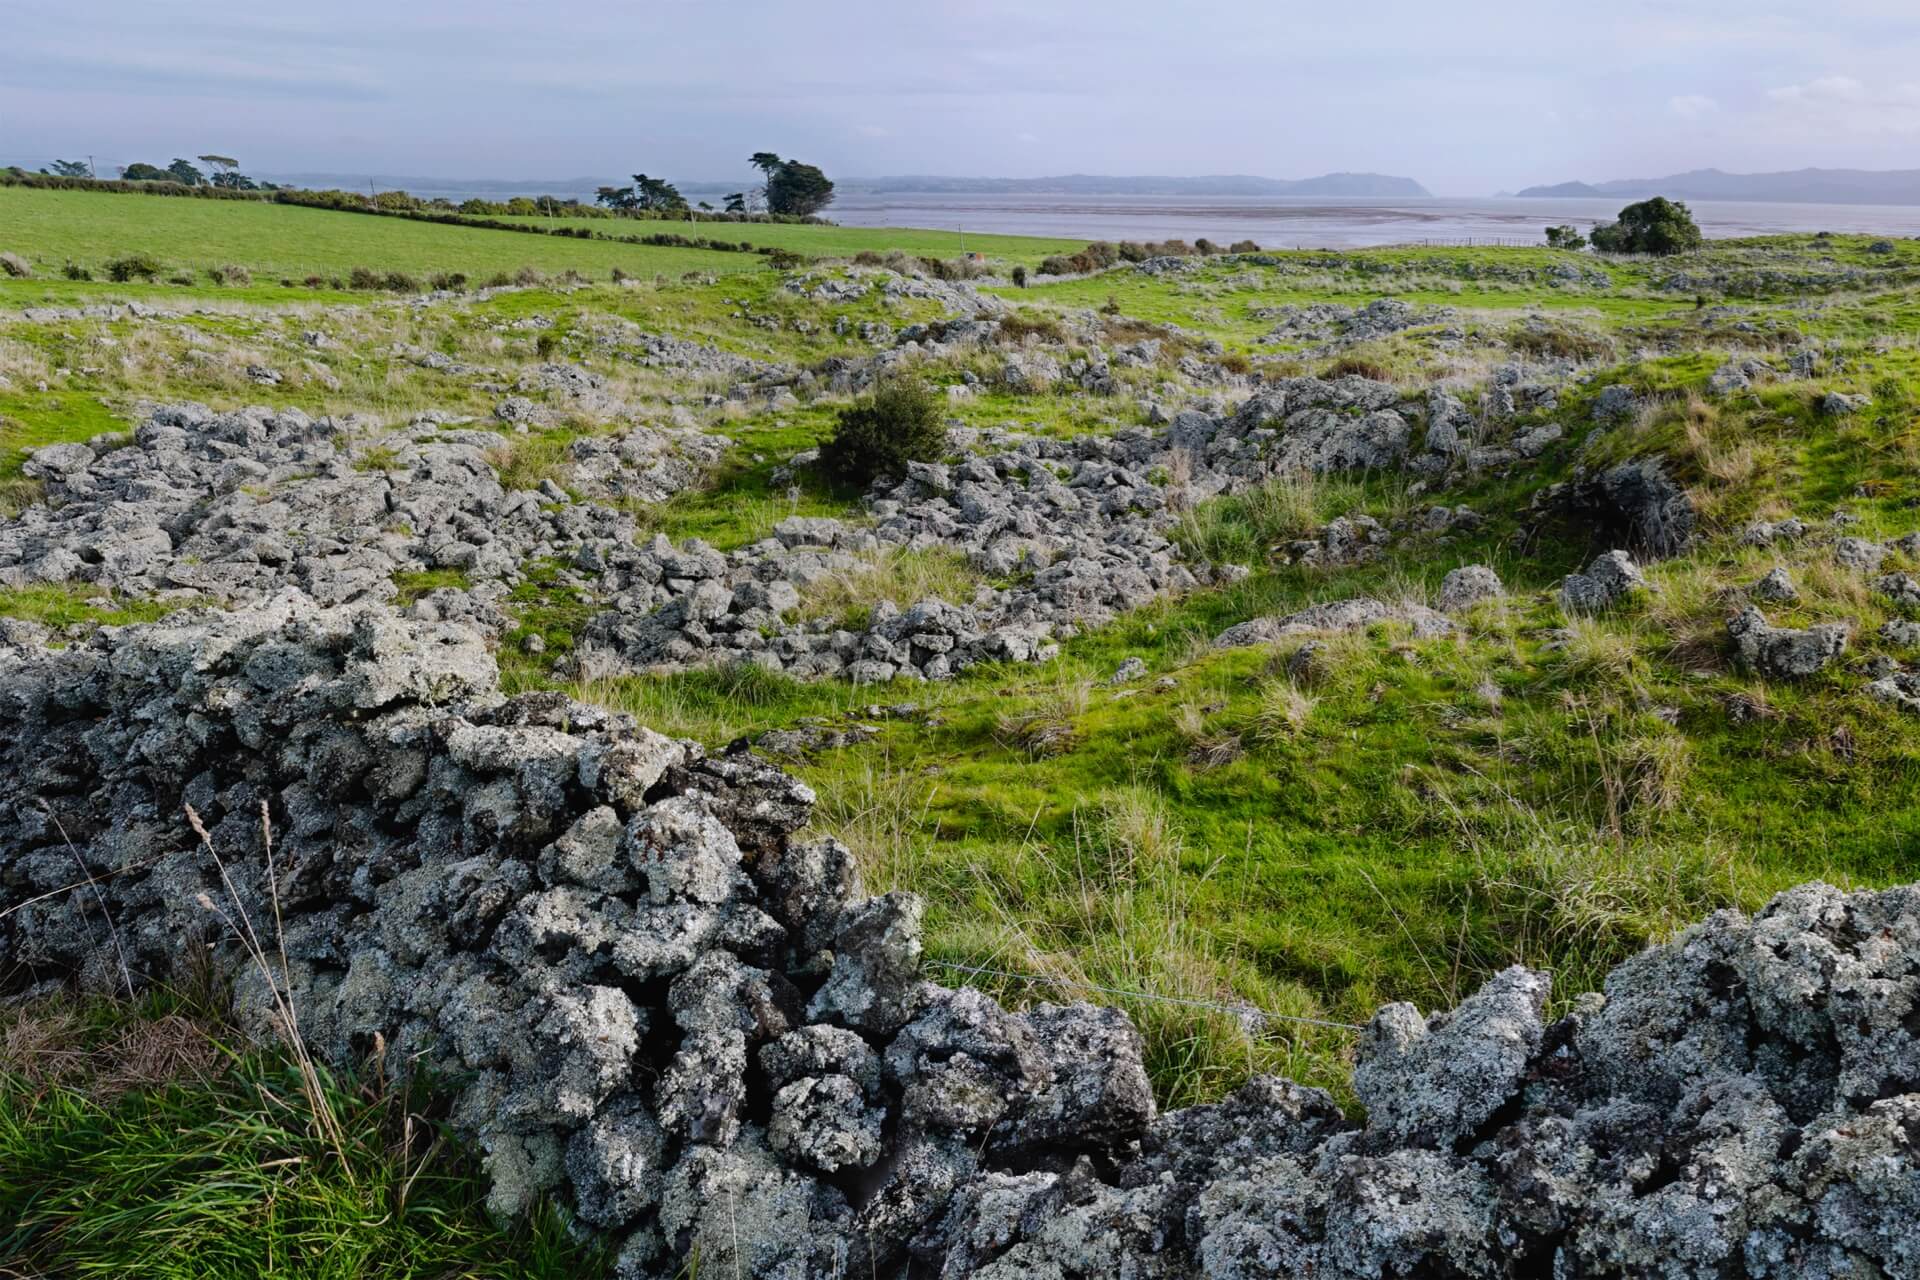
(134,266)
(1658,226)
(1020,277)
(230,273)
(879,434)
(74,271)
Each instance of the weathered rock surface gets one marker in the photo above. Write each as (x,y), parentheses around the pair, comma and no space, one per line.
(674,1013)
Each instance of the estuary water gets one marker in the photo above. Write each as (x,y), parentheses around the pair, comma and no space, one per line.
(1278,223)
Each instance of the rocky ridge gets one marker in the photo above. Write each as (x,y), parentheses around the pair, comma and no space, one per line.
(673,1011)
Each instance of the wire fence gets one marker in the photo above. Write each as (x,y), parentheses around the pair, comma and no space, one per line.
(1248,1015)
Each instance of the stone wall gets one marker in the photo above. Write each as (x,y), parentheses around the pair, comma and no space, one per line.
(689,1023)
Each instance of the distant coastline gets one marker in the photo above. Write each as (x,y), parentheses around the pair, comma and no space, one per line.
(1798,186)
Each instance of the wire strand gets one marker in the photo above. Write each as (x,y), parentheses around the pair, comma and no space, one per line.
(1237,1011)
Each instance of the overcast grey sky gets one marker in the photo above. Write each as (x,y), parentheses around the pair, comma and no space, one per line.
(1468,96)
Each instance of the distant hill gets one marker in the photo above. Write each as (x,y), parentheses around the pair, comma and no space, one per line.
(1799,186)
(1082,184)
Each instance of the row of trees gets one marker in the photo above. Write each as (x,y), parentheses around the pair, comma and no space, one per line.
(225,173)
(1658,226)
(791,188)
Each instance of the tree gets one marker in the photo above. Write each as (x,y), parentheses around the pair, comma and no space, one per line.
(798,189)
(737,202)
(145,173)
(70,169)
(615,197)
(657,194)
(1657,226)
(226,173)
(766,162)
(185,174)
(1565,238)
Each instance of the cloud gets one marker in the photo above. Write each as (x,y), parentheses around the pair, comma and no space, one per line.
(1825,89)
(1692,106)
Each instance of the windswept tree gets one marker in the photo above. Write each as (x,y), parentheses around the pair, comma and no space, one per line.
(185,174)
(798,189)
(657,194)
(737,202)
(615,197)
(1657,226)
(226,173)
(1565,238)
(70,169)
(766,162)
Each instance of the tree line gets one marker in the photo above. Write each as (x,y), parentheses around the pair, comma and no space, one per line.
(791,189)
(224,173)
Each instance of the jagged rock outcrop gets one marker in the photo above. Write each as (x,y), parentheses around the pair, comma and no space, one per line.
(670,1010)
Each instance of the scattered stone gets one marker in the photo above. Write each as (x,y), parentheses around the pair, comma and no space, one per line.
(1468,585)
(1612,577)
(1775,588)
(1784,653)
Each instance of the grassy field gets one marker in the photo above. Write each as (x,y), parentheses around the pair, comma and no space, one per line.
(837,241)
(1396,820)
(53,228)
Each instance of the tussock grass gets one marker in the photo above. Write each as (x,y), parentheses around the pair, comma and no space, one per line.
(903,577)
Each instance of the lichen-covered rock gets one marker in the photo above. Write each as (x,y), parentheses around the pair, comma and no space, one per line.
(1611,577)
(1784,653)
(658,1004)
(1468,585)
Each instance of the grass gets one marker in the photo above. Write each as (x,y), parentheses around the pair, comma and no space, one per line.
(1274,833)
(52,228)
(836,241)
(143,1139)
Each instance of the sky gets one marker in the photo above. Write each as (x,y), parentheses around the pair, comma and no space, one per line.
(1467,96)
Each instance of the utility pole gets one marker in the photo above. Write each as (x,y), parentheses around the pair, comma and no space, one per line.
(91,171)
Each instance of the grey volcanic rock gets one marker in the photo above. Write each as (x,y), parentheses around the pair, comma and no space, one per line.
(1784,653)
(1611,577)
(1468,585)
(662,1007)
(1338,615)
(238,506)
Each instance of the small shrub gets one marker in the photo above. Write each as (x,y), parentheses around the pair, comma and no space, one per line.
(315,282)
(529,276)
(231,274)
(620,277)
(1357,367)
(400,282)
(363,278)
(74,271)
(1111,307)
(785,260)
(180,278)
(1565,238)
(16,266)
(1019,277)
(545,345)
(1236,362)
(1243,246)
(880,433)
(135,266)
(448,281)
(868,258)
(1206,247)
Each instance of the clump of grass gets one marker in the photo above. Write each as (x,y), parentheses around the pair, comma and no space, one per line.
(411,586)
(524,461)
(139,1138)
(1281,712)
(231,274)
(903,577)
(1246,528)
(1358,367)
(1049,726)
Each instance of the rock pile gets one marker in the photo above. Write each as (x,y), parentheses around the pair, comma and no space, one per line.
(239,506)
(687,1022)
